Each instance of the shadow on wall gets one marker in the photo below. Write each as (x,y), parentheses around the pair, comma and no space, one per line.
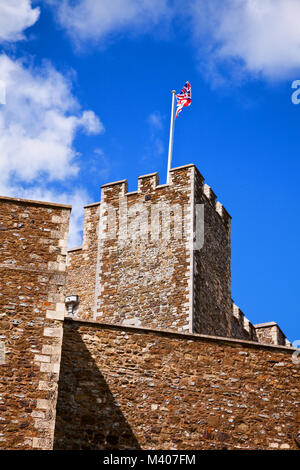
(87,416)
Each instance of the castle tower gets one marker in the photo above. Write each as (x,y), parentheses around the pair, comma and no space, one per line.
(154,265)
(158,257)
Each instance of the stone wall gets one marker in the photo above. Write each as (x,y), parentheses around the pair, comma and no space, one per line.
(82,263)
(130,388)
(144,277)
(242,328)
(212,266)
(270,333)
(141,277)
(122,385)
(33,248)
(129,271)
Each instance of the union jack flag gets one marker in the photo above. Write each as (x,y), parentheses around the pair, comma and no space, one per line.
(184,98)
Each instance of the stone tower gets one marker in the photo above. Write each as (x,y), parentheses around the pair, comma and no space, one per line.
(157,257)
(155,333)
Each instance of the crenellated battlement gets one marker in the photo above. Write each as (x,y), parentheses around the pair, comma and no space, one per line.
(152,308)
(271,333)
(241,327)
(111,192)
(148,182)
(140,265)
(225,216)
(129,231)
(209,193)
(220,209)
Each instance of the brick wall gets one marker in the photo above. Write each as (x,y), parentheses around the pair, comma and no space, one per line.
(125,387)
(33,247)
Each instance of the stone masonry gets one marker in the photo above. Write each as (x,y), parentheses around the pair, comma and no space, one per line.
(156,354)
(140,264)
(149,389)
(33,242)
(139,277)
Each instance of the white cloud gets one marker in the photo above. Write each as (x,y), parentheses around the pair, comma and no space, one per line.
(260,37)
(102,164)
(39,122)
(156,147)
(38,125)
(15,17)
(95,20)
(155,120)
(257,36)
(156,124)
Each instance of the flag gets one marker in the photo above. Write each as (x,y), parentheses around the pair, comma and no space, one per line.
(184,98)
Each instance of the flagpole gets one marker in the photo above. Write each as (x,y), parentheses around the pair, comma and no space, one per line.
(171,137)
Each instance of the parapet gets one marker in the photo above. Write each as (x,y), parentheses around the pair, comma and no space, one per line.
(223,213)
(219,208)
(35,203)
(114,190)
(248,326)
(94,204)
(271,333)
(180,177)
(31,228)
(211,196)
(76,248)
(241,327)
(148,182)
(265,333)
(184,190)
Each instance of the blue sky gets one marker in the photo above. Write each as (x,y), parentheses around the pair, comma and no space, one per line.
(88,94)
